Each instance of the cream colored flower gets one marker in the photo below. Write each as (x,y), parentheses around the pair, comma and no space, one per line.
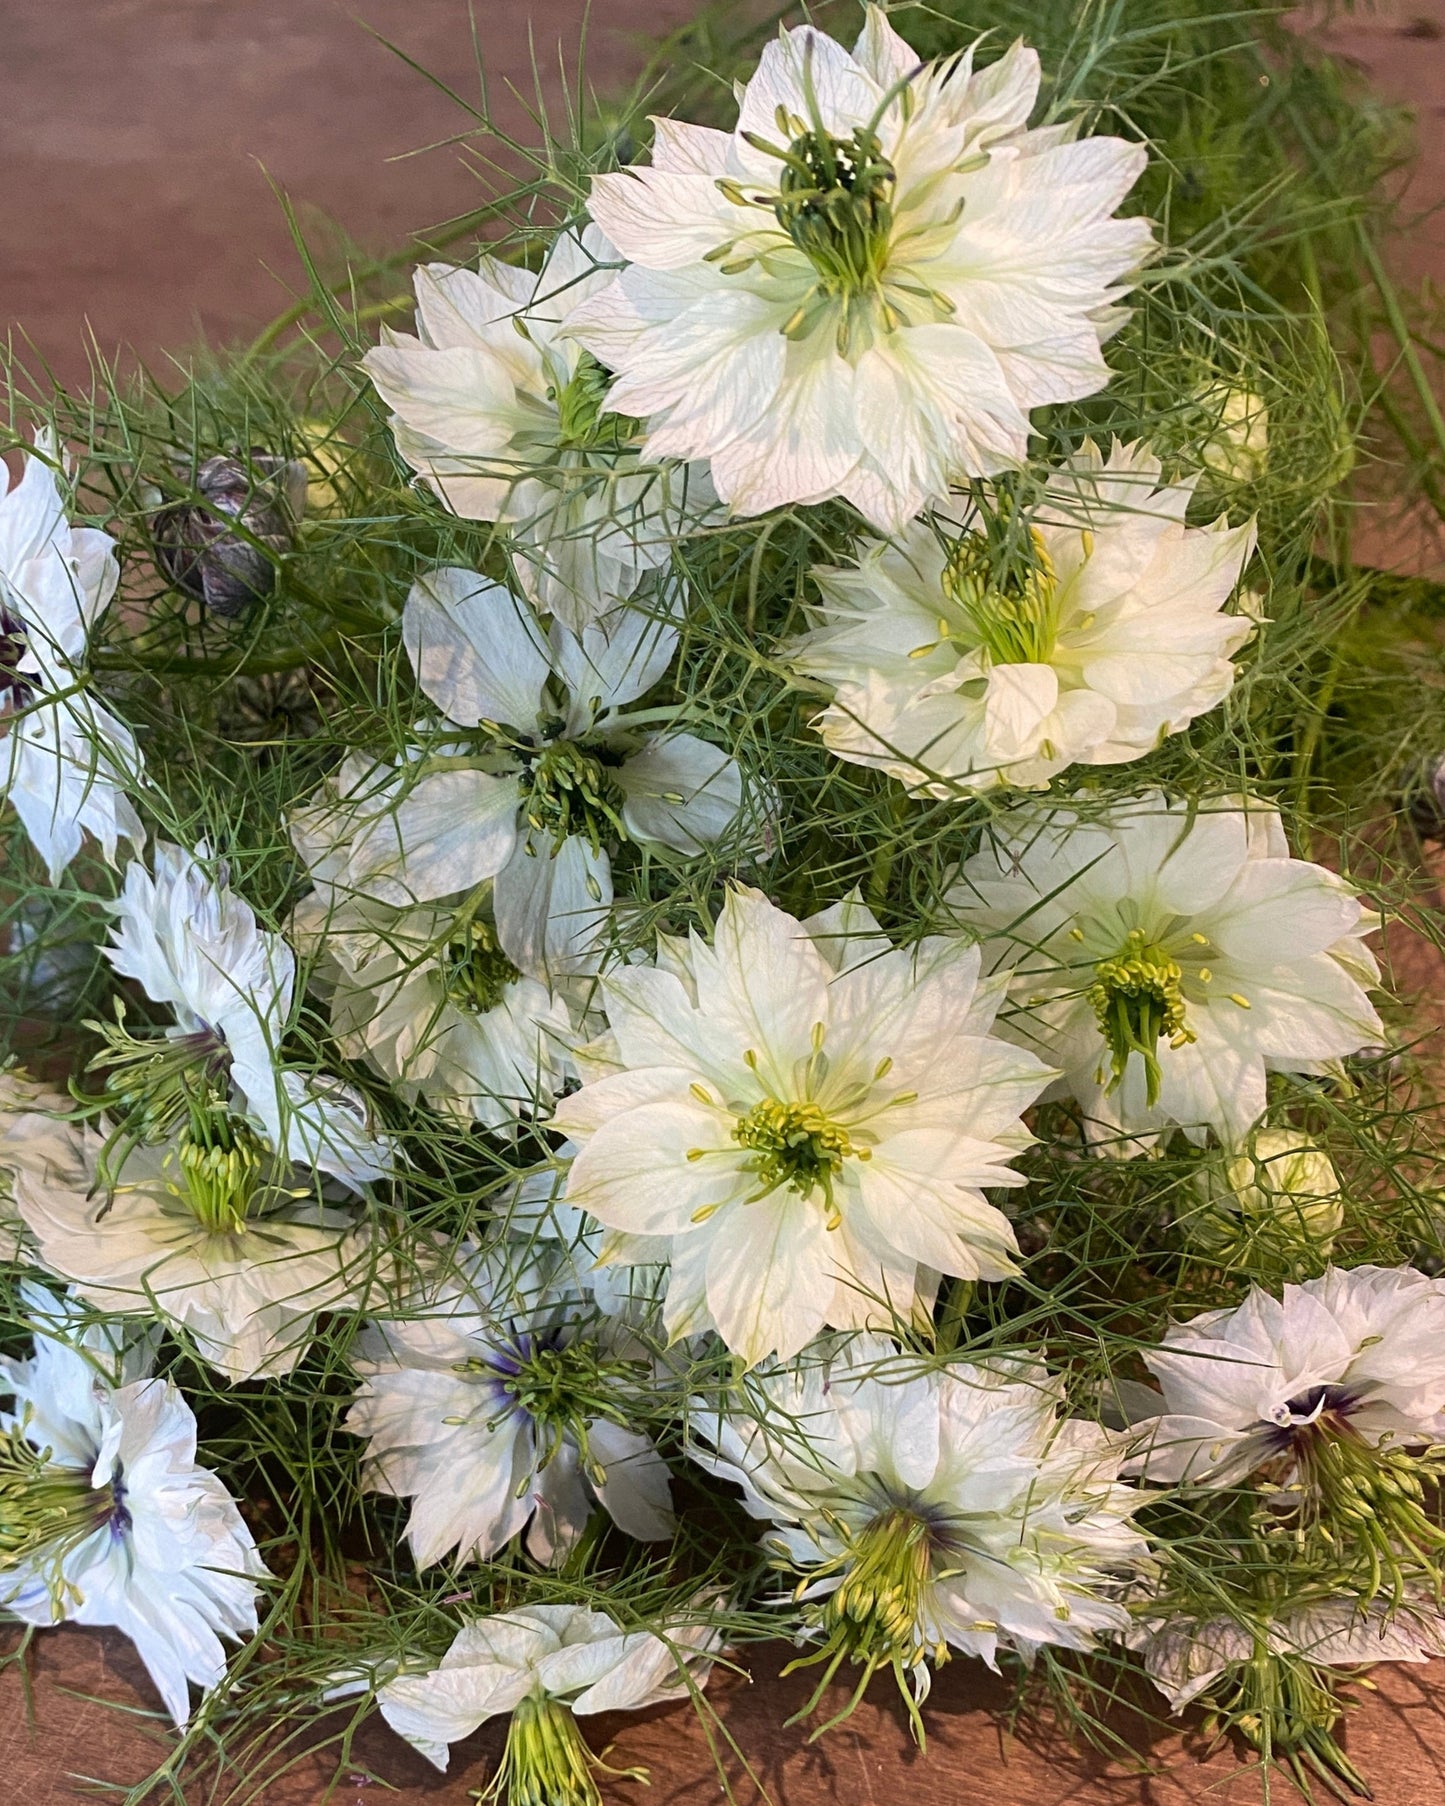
(956,667)
(865,288)
(809,1116)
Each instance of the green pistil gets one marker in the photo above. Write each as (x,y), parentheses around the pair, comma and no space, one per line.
(477,971)
(797,1145)
(153,1083)
(546,1762)
(45,1510)
(569,789)
(563,1390)
(584,421)
(221,1161)
(1137,1000)
(872,1618)
(1015,618)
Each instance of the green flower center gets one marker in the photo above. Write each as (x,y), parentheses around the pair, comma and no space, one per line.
(46,1510)
(477,972)
(835,201)
(1016,618)
(155,1082)
(584,422)
(797,1145)
(569,788)
(221,1159)
(546,1762)
(1137,999)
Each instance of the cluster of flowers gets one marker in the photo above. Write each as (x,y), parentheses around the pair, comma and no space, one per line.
(785,1141)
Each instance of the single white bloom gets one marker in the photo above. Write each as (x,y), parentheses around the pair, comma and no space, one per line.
(810,1115)
(192,943)
(865,288)
(1354,1359)
(533,800)
(544,1664)
(491,1403)
(38,1147)
(66,761)
(1184,1657)
(1108,634)
(1167,955)
(247,1286)
(108,1520)
(932,1506)
(507,418)
(429,999)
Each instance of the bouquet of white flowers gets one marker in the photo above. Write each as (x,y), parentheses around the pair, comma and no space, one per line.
(684,938)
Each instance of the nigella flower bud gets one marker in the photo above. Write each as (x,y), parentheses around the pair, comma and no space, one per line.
(229,566)
(1427,800)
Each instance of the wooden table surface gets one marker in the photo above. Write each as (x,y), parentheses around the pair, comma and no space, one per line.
(133,135)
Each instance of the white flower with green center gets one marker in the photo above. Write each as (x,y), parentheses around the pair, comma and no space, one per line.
(1330,1395)
(928,1507)
(864,289)
(552,775)
(961,660)
(66,761)
(429,999)
(508,419)
(497,1404)
(808,1117)
(105,1518)
(1167,956)
(212,1239)
(545,1666)
(194,945)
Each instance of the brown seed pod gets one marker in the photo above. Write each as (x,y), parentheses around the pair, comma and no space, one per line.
(204,555)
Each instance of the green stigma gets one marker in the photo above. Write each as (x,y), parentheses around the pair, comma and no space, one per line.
(221,1159)
(1367,1504)
(1137,999)
(477,972)
(797,1145)
(154,1082)
(563,1390)
(873,1616)
(1016,618)
(546,1762)
(584,422)
(46,1510)
(569,788)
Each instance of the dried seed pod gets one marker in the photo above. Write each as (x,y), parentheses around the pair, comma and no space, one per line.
(205,556)
(1427,800)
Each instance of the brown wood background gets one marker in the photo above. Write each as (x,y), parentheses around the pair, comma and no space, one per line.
(136,137)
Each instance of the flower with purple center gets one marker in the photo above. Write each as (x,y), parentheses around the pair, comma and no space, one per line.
(490,1402)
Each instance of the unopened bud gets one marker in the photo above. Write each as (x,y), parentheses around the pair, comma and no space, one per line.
(222,548)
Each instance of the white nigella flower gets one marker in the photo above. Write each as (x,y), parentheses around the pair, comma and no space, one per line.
(192,943)
(105,1518)
(809,1115)
(507,418)
(1352,1361)
(547,1666)
(491,1404)
(534,800)
(38,1147)
(427,996)
(924,1507)
(66,760)
(1185,1657)
(1167,955)
(865,288)
(957,668)
(244,1265)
